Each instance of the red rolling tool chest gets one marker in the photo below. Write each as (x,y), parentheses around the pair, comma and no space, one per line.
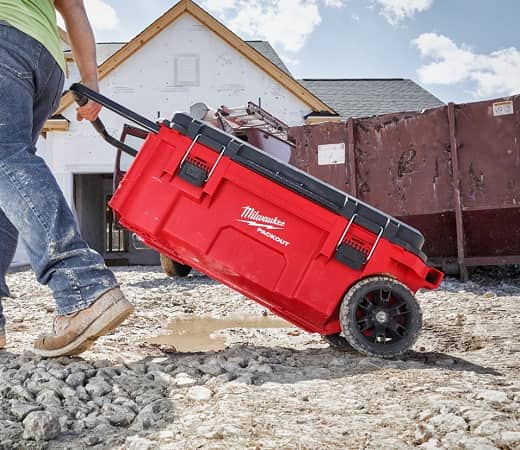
(319,258)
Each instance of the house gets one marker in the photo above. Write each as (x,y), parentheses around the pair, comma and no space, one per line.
(185,56)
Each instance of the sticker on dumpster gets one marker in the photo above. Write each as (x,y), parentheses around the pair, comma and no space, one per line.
(262,223)
(331,154)
(503,108)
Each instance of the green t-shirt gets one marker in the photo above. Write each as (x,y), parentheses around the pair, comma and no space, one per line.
(37,18)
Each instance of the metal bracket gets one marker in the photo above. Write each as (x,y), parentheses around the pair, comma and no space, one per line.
(191,147)
(351,221)
(216,162)
(378,238)
(189,150)
(381,231)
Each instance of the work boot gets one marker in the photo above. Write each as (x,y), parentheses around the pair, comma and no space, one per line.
(2,339)
(74,333)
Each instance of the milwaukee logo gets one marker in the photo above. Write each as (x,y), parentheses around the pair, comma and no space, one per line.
(255,219)
(262,223)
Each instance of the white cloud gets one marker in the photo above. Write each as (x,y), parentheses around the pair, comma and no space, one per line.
(220,5)
(102,16)
(334,3)
(395,11)
(493,74)
(286,24)
(290,60)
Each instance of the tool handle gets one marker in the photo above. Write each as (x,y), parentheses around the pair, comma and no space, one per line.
(83,94)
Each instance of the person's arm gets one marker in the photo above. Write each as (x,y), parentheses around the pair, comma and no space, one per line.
(84,49)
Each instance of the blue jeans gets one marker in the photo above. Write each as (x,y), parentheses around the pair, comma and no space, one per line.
(32,206)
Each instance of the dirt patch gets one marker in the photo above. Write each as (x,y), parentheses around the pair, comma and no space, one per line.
(268,387)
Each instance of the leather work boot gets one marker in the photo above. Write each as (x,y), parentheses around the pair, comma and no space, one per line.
(2,339)
(74,333)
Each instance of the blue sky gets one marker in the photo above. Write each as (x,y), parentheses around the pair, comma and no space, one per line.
(460,50)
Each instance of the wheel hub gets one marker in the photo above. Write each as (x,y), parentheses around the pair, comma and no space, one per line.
(382,317)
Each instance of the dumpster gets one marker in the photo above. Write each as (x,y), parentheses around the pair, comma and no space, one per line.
(451,172)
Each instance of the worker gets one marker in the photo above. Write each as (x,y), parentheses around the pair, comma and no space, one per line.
(33,209)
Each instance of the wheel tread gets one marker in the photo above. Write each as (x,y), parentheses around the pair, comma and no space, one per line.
(345,311)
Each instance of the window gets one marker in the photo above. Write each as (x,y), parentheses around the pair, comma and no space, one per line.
(187,70)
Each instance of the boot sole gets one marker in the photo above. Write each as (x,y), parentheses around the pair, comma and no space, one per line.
(104,324)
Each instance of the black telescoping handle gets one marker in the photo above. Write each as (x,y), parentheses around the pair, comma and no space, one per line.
(83,94)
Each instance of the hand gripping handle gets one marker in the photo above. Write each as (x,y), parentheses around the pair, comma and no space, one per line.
(83,94)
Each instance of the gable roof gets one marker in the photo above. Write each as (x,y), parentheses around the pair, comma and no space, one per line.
(188,6)
(269,52)
(369,97)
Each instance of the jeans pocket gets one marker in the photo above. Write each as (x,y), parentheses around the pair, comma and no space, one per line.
(16,73)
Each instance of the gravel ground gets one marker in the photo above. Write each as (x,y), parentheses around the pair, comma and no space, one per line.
(270,388)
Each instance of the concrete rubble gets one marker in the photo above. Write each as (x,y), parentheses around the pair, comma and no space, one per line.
(270,388)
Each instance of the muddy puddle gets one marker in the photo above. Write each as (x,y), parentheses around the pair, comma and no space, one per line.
(196,334)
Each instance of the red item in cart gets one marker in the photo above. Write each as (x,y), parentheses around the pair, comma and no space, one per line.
(312,254)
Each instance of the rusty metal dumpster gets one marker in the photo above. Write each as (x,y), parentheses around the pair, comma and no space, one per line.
(453,172)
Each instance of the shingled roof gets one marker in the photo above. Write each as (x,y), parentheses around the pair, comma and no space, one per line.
(269,52)
(360,97)
(369,97)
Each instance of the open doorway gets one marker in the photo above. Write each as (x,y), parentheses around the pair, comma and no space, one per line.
(97,224)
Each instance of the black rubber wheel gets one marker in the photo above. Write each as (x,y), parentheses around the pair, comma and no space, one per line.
(338,342)
(173,268)
(380,317)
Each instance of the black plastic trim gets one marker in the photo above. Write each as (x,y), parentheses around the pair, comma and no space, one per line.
(289,176)
(193,174)
(368,224)
(350,256)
